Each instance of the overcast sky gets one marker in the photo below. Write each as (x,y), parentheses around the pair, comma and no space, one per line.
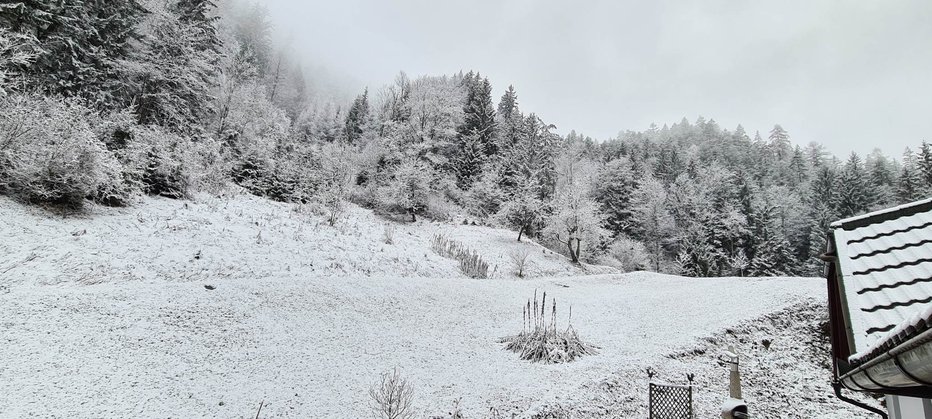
(853,75)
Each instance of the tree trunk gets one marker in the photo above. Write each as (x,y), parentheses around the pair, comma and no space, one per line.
(577,250)
(413,217)
(573,256)
(657,257)
(520,232)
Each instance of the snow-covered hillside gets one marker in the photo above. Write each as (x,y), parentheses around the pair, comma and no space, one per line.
(216,239)
(107,315)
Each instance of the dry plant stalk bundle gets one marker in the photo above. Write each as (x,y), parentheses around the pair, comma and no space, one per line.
(541,341)
(470,262)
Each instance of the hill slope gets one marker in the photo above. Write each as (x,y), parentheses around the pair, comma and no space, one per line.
(239,237)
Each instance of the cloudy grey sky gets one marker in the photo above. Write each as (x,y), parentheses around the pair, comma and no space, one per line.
(853,75)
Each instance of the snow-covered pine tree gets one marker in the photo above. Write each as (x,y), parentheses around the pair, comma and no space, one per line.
(169,75)
(909,182)
(79,41)
(925,164)
(881,179)
(773,258)
(780,142)
(475,135)
(200,14)
(854,196)
(614,187)
(356,117)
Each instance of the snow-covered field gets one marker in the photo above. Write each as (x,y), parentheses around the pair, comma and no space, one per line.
(107,315)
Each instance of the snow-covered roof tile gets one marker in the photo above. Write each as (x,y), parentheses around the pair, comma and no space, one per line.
(885,264)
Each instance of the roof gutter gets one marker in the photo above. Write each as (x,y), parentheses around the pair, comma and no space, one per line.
(904,370)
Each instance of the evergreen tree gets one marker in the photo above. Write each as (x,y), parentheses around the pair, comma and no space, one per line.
(80,43)
(909,183)
(615,184)
(510,120)
(797,169)
(779,141)
(881,179)
(356,117)
(199,14)
(773,258)
(741,134)
(479,113)
(477,129)
(169,76)
(853,195)
(925,164)
(253,31)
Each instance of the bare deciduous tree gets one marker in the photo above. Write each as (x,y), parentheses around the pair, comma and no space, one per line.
(519,257)
(392,397)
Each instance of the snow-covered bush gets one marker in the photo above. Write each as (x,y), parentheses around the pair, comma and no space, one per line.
(160,162)
(49,154)
(410,189)
(485,197)
(255,131)
(392,397)
(439,209)
(333,175)
(629,255)
(541,341)
(16,49)
(164,161)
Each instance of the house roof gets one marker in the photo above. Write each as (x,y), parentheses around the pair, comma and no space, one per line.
(885,263)
(911,328)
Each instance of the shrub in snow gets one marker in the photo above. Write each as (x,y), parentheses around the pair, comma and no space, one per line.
(159,162)
(254,131)
(541,341)
(470,262)
(392,397)
(410,188)
(333,176)
(629,255)
(519,261)
(165,162)
(739,262)
(439,209)
(485,197)
(49,153)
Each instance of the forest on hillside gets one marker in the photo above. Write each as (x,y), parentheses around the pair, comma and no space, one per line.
(110,101)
